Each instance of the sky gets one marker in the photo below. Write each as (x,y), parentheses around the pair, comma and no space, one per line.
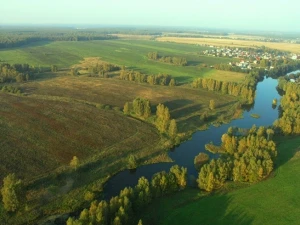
(277,15)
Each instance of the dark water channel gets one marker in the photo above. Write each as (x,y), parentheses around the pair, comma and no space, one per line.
(184,154)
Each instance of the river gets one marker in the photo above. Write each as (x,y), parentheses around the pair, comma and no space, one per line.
(184,154)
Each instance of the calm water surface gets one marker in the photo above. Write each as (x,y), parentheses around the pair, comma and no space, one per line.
(184,154)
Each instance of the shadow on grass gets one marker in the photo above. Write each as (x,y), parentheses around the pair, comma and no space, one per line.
(287,148)
(185,111)
(193,63)
(182,209)
(28,45)
(177,103)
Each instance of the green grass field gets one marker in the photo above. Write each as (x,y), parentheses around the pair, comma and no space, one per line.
(130,53)
(273,201)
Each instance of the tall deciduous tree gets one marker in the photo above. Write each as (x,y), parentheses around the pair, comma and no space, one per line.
(12,193)
(212,104)
(162,118)
(132,162)
(126,109)
(173,129)
(74,162)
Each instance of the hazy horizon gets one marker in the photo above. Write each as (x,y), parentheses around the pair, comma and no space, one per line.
(237,15)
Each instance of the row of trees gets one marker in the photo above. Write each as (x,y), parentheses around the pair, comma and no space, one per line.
(180,61)
(15,72)
(11,89)
(122,209)
(289,122)
(99,68)
(227,67)
(159,79)
(246,92)
(246,158)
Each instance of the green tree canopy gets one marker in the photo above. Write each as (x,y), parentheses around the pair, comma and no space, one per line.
(12,193)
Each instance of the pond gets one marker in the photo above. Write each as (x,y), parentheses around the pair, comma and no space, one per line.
(184,154)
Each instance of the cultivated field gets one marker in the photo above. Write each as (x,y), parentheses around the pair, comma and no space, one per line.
(274,201)
(42,133)
(226,75)
(185,103)
(232,43)
(130,53)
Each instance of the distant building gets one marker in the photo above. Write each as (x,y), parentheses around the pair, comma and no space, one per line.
(294,57)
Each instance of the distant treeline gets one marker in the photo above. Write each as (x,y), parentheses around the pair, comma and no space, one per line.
(180,61)
(15,72)
(11,39)
(159,79)
(122,209)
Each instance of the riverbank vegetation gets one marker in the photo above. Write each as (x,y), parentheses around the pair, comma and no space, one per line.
(255,115)
(248,158)
(289,122)
(238,203)
(123,209)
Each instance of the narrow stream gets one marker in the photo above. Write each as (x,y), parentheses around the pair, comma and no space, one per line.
(184,154)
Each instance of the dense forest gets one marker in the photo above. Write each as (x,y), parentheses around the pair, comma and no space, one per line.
(15,72)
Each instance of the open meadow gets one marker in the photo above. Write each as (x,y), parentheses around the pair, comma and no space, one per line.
(273,201)
(129,53)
